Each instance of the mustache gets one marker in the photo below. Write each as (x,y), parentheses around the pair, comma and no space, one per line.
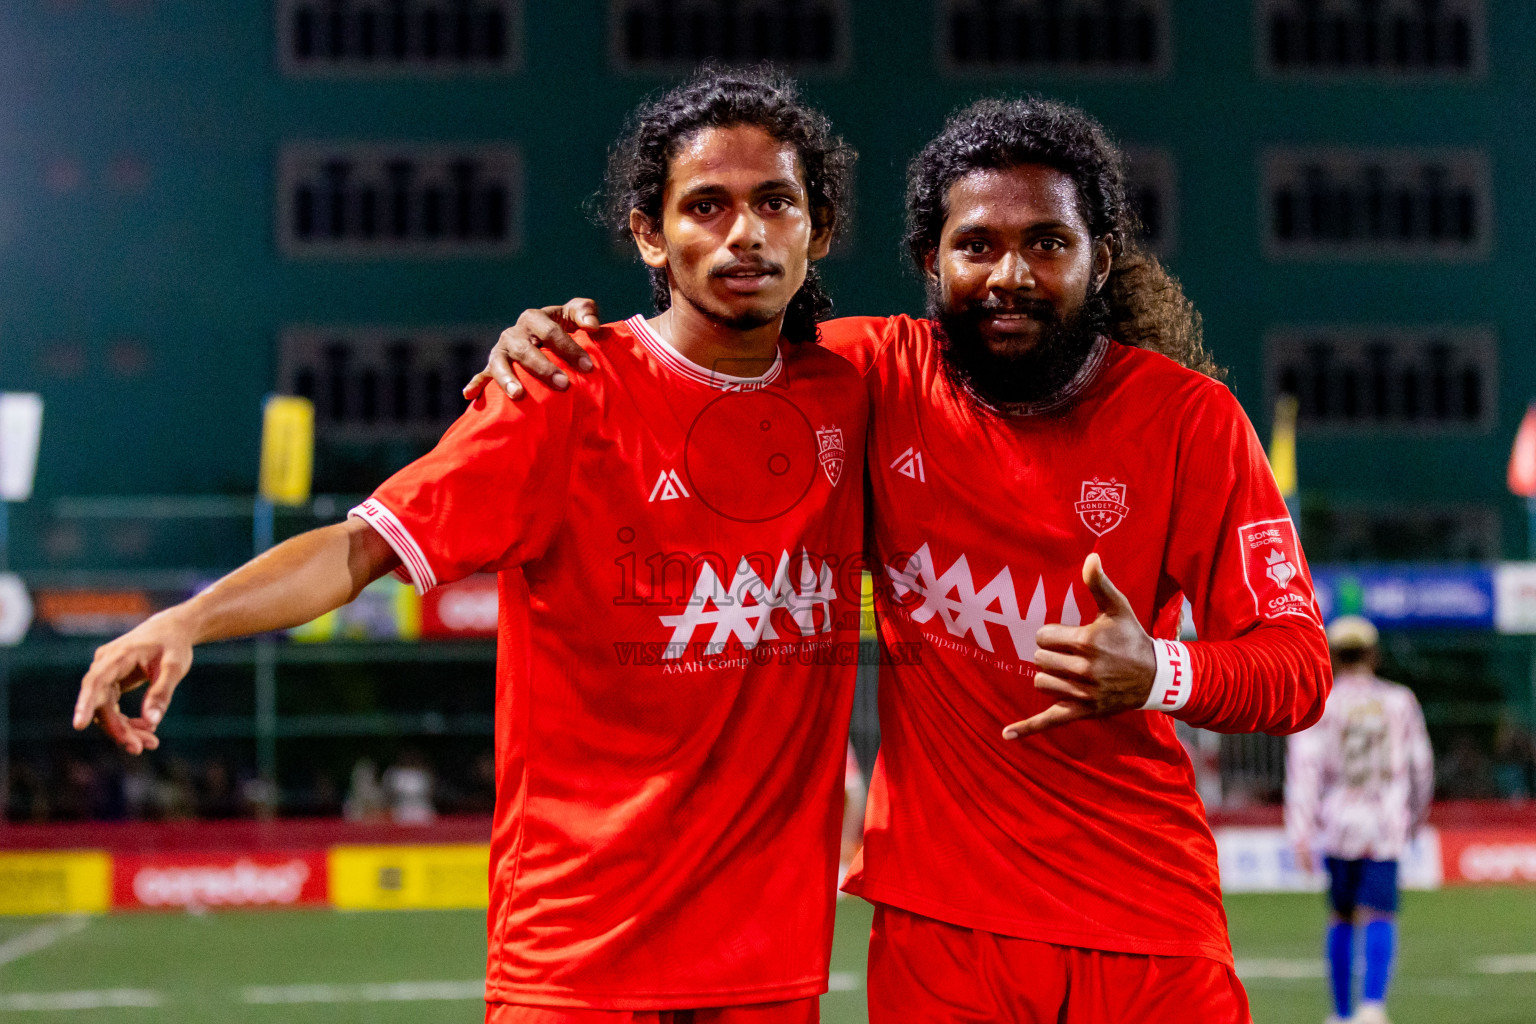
(745,267)
(1035,309)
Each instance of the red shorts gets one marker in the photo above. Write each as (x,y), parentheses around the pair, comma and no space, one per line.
(923,971)
(794,1011)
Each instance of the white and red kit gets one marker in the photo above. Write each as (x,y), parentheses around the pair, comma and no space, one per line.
(679,558)
(1091,834)
(1359,782)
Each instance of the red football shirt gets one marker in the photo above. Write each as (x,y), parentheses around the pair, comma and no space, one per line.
(1090,834)
(679,558)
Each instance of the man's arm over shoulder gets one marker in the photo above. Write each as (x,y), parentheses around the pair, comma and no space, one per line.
(858,339)
(1261,664)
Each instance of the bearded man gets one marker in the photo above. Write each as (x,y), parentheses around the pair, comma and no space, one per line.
(1034,846)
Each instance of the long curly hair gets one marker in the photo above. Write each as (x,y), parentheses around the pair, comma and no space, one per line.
(717,97)
(1141,303)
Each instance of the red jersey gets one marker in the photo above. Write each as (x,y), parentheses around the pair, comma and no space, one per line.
(1090,834)
(675,666)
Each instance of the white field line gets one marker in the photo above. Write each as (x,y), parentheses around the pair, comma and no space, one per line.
(1520,963)
(40,937)
(423,991)
(95,1000)
(391,992)
(1311,967)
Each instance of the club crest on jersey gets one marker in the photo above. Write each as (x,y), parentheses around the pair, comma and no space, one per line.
(1102,507)
(830,450)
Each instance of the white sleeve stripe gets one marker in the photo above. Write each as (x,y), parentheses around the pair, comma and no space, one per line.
(412,559)
(1175,678)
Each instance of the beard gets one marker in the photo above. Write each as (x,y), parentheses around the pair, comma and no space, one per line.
(1003,380)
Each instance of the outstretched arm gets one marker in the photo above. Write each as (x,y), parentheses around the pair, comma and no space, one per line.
(296,581)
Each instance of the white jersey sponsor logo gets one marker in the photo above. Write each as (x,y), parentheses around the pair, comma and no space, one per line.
(1272,569)
(966,611)
(1279,568)
(745,608)
(669,487)
(910,465)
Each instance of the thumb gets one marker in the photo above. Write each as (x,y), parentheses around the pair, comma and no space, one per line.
(157,697)
(1105,594)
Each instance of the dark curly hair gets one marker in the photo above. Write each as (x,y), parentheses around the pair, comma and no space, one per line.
(1140,304)
(717,97)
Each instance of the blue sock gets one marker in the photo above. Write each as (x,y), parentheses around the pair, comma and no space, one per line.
(1380,944)
(1341,956)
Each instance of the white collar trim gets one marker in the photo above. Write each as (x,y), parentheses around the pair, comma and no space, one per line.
(681,365)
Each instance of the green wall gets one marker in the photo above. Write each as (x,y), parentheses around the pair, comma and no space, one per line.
(184,268)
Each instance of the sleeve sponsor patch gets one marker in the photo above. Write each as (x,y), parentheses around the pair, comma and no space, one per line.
(1272,570)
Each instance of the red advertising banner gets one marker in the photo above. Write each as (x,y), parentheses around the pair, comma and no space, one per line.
(1489,855)
(460,611)
(181,881)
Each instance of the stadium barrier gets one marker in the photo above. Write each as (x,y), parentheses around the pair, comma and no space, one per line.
(97,868)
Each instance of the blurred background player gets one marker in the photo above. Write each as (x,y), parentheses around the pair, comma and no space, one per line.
(667,818)
(1357,787)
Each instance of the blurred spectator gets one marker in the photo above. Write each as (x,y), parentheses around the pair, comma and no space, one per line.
(79,795)
(479,792)
(138,783)
(1466,773)
(113,804)
(216,795)
(258,799)
(320,799)
(1514,755)
(365,797)
(408,788)
(28,798)
(173,796)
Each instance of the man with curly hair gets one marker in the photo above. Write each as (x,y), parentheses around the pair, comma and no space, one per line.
(670,710)
(1034,846)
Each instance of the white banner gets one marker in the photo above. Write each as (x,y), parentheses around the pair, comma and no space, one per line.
(1514,597)
(15,610)
(1262,860)
(21,427)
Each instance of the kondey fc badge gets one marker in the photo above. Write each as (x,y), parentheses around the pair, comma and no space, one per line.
(831,453)
(1102,506)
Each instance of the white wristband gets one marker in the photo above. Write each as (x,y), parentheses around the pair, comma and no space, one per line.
(1175,677)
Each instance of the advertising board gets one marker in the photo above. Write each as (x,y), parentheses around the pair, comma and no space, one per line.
(206,881)
(447,876)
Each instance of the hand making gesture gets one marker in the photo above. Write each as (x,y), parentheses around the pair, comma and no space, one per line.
(1097,669)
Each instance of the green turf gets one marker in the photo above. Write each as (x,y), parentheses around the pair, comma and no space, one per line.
(199,965)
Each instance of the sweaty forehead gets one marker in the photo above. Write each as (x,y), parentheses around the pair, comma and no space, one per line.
(1015,197)
(740,156)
